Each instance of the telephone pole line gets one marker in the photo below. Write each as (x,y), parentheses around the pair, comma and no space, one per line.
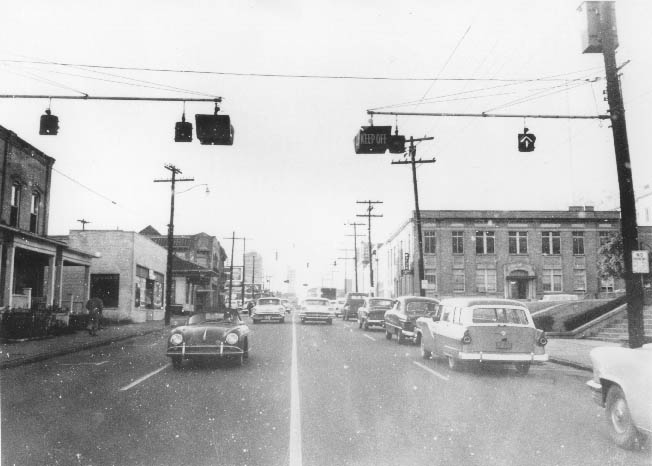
(84,222)
(370,207)
(412,150)
(355,249)
(244,263)
(345,258)
(168,274)
(233,238)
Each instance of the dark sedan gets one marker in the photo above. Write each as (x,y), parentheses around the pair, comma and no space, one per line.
(400,320)
(373,311)
(210,335)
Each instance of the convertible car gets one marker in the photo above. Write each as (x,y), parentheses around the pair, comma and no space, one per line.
(209,335)
(622,384)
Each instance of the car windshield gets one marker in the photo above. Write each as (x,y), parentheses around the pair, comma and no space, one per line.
(382,303)
(420,308)
(212,317)
(315,302)
(499,315)
(268,301)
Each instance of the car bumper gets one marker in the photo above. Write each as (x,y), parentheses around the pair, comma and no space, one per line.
(322,317)
(502,357)
(380,322)
(267,317)
(189,351)
(596,392)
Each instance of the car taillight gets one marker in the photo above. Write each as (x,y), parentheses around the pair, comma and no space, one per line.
(466,339)
(542,340)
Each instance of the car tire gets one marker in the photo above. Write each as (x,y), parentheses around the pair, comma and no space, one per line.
(400,339)
(359,323)
(417,339)
(425,354)
(365,325)
(176,362)
(254,321)
(388,334)
(282,320)
(454,364)
(522,367)
(621,428)
(303,321)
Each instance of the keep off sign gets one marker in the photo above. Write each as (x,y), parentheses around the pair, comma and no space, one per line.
(372,139)
(640,262)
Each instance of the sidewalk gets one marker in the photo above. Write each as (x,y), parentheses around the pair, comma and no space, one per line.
(17,353)
(566,351)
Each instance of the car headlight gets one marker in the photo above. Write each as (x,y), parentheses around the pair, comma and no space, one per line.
(176,339)
(231,339)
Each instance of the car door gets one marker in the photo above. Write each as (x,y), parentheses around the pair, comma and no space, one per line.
(428,326)
(441,330)
(391,319)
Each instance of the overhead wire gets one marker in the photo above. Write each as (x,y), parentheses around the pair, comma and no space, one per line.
(44,80)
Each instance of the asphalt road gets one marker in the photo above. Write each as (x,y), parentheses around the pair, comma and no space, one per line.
(349,397)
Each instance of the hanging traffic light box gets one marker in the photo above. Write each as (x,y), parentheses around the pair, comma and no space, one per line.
(183,130)
(214,129)
(526,141)
(396,144)
(372,139)
(49,124)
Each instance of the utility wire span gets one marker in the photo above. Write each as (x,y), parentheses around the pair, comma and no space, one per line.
(280,75)
(84,186)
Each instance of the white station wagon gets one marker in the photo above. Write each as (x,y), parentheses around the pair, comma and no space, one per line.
(487,330)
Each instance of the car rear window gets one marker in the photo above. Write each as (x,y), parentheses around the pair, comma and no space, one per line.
(499,315)
(420,307)
(381,303)
(268,301)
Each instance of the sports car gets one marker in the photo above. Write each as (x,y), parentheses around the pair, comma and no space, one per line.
(209,335)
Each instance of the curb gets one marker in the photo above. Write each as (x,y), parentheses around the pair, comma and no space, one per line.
(71,349)
(566,362)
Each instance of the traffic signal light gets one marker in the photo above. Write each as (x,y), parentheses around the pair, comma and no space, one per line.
(396,144)
(183,130)
(526,141)
(49,124)
(214,129)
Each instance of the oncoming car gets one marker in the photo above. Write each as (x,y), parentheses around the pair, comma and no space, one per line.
(487,330)
(269,310)
(316,309)
(209,335)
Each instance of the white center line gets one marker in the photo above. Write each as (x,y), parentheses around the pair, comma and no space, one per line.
(143,378)
(433,372)
(295,409)
(370,337)
(84,363)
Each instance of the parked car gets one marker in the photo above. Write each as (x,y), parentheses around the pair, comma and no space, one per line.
(400,320)
(268,310)
(287,305)
(209,335)
(622,384)
(316,309)
(353,302)
(339,304)
(372,312)
(488,330)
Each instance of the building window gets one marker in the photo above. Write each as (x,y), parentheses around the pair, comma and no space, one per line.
(430,244)
(484,242)
(551,279)
(604,237)
(458,242)
(431,277)
(459,281)
(578,243)
(15,204)
(518,242)
(34,210)
(550,242)
(106,286)
(485,280)
(579,280)
(607,285)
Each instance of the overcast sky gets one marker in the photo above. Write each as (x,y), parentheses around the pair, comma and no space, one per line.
(291,180)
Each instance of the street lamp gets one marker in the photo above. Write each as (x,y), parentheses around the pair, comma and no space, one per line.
(196,186)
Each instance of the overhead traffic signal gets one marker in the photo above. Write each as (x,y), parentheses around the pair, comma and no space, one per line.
(526,141)
(214,129)
(49,124)
(372,139)
(183,130)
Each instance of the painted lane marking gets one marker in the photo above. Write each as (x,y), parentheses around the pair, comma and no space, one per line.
(433,372)
(143,378)
(83,363)
(295,408)
(371,338)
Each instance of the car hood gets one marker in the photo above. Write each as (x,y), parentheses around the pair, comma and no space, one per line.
(204,332)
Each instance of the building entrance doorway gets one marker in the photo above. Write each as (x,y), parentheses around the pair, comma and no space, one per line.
(519,284)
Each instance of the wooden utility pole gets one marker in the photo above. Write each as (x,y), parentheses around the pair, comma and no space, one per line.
(370,207)
(84,222)
(413,151)
(168,274)
(606,15)
(355,250)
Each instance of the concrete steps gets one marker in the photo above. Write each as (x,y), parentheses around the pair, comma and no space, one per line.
(617,330)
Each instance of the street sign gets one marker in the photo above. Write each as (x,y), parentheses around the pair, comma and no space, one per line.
(526,141)
(372,139)
(640,262)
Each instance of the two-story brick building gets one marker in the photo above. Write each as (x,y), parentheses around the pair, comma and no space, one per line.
(513,254)
(31,263)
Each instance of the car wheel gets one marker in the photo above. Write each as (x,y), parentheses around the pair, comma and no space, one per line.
(400,339)
(176,362)
(454,364)
(522,367)
(303,321)
(282,320)
(388,334)
(254,321)
(425,354)
(417,340)
(359,323)
(366,325)
(619,420)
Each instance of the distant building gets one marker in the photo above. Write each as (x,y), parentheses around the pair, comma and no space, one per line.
(512,254)
(31,262)
(644,206)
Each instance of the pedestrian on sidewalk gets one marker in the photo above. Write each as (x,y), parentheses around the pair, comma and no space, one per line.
(95,307)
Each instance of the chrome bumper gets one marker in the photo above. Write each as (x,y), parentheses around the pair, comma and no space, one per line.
(502,357)
(203,350)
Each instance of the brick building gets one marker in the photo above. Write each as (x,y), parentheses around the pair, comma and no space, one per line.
(512,254)
(128,273)
(31,263)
